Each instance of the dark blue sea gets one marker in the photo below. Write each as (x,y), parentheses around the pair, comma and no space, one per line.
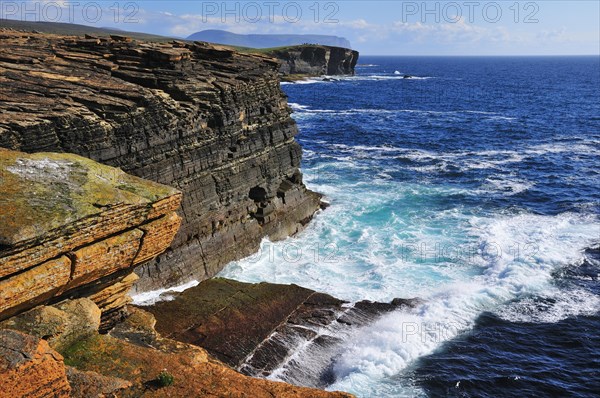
(472,183)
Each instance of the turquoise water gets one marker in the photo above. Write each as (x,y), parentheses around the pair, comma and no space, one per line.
(468,186)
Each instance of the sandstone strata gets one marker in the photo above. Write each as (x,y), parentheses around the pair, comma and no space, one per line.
(71,227)
(123,363)
(206,120)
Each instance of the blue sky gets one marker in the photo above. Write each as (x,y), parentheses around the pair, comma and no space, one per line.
(374,27)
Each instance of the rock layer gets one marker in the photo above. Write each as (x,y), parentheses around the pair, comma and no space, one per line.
(258,328)
(71,227)
(123,363)
(206,120)
(316,60)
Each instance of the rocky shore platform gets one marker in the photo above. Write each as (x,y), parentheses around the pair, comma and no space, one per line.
(260,328)
(71,232)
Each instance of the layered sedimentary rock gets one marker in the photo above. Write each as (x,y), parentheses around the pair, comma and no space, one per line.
(124,363)
(71,227)
(208,121)
(316,60)
(258,328)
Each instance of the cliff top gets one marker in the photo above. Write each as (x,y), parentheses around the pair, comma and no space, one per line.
(60,28)
(44,192)
(274,50)
(45,78)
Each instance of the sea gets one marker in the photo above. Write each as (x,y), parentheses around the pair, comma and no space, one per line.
(473,184)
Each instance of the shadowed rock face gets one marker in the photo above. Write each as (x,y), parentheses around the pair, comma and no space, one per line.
(315,60)
(206,120)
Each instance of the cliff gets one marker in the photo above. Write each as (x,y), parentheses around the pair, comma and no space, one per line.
(71,233)
(70,227)
(315,60)
(206,120)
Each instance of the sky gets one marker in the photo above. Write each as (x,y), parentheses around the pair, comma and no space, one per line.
(546,27)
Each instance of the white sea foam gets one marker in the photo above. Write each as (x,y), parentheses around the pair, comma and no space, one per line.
(380,240)
(386,347)
(306,81)
(552,306)
(154,296)
(307,111)
(488,261)
(374,77)
(505,185)
(298,107)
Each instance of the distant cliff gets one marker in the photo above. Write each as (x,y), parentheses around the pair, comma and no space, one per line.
(266,40)
(206,120)
(313,60)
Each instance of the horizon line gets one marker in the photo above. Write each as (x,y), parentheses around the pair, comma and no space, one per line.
(478,55)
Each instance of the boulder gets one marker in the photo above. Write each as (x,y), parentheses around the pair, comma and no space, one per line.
(30,368)
(71,227)
(61,325)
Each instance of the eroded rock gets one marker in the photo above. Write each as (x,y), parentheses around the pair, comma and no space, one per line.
(30,368)
(70,227)
(258,328)
(93,384)
(316,60)
(61,325)
(204,119)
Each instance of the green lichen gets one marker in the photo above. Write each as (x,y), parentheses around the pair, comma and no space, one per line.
(84,353)
(42,192)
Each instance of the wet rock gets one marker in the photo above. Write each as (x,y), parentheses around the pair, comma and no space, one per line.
(227,318)
(258,328)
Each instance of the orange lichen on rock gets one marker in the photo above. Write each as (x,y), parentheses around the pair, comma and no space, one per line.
(105,257)
(135,352)
(34,286)
(67,222)
(156,233)
(30,368)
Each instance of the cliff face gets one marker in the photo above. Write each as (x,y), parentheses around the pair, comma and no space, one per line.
(208,121)
(71,231)
(72,227)
(316,60)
